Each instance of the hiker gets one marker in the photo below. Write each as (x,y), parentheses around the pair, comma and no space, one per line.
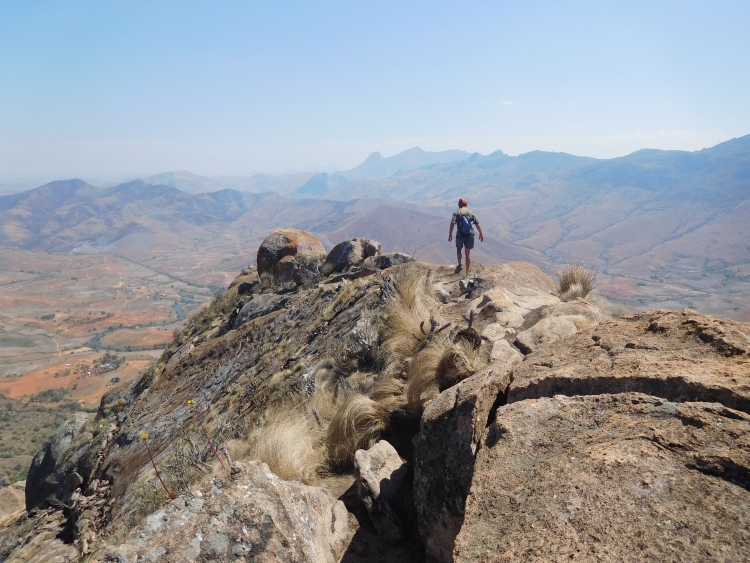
(463,219)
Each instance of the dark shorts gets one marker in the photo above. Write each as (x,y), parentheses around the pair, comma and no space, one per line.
(467,242)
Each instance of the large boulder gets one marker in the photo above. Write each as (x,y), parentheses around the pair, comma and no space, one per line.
(451,429)
(625,477)
(250,515)
(286,250)
(348,254)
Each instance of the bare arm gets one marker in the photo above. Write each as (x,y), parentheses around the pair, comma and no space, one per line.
(450,232)
(481,234)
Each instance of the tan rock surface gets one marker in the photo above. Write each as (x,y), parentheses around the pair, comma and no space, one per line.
(12,503)
(677,356)
(623,477)
(545,331)
(452,426)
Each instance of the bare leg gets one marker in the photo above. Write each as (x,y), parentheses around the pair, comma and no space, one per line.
(458,255)
(468,260)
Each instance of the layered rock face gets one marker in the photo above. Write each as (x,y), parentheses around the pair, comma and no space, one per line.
(572,436)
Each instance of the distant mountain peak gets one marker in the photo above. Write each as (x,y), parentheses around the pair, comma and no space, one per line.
(377,166)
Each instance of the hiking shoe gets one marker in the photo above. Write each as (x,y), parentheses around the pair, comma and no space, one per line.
(458,269)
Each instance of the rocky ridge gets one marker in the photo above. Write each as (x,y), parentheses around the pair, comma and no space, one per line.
(572,434)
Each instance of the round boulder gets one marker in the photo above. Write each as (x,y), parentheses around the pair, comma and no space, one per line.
(286,250)
(348,254)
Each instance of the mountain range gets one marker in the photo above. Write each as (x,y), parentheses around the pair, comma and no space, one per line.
(654,215)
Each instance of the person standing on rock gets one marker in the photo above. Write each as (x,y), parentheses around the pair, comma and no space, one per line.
(463,219)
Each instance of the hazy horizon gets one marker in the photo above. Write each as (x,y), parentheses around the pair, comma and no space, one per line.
(109,179)
(130,89)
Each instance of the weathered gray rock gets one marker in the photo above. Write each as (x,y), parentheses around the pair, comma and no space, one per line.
(348,254)
(612,478)
(251,515)
(286,250)
(499,305)
(382,486)
(181,352)
(68,451)
(450,431)
(387,260)
(260,306)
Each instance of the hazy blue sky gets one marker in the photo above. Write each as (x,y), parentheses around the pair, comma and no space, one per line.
(104,87)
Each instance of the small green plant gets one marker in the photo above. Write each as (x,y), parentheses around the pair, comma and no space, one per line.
(197,417)
(144,437)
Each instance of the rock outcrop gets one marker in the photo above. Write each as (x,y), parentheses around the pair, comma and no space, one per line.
(452,426)
(557,433)
(250,515)
(286,250)
(679,356)
(260,306)
(68,452)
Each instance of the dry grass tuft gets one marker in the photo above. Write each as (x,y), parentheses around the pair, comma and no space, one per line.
(412,305)
(291,443)
(575,280)
(421,385)
(357,425)
(322,405)
(458,362)
(389,393)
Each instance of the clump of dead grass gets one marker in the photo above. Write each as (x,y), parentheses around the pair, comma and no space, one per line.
(575,280)
(421,384)
(412,304)
(459,362)
(357,424)
(291,443)
(390,393)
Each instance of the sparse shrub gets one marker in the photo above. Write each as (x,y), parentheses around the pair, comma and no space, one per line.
(119,405)
(575,280)
(357,425)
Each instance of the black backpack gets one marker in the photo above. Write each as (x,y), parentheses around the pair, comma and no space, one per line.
(464,225)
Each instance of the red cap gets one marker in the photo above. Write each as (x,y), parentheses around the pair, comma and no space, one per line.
(462,202)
